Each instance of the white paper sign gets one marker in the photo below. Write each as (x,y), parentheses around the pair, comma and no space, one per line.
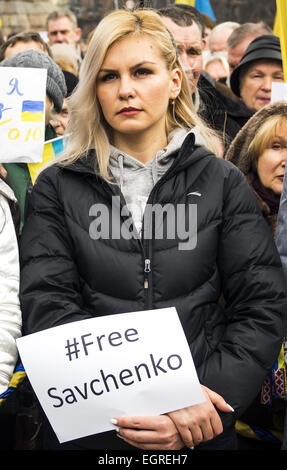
(22,114)
(87,372)
(278,92)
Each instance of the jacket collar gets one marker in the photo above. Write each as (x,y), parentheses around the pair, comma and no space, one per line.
(188,154)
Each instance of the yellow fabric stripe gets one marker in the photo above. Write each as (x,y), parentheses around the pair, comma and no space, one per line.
(27,116)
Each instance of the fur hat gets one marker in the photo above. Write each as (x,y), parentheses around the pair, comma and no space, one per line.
(238,150)
(266,46)
(56,85)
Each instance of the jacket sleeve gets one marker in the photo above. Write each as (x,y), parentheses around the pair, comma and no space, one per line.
(50,287)
(10,313)
(281,230)
(254,290)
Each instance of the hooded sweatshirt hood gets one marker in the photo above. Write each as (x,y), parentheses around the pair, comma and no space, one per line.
(137,179)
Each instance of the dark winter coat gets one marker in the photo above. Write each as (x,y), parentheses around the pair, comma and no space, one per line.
(68,276)
(220,112)
(266,421)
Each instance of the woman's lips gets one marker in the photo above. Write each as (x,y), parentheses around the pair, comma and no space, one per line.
(129,111)
(264,99)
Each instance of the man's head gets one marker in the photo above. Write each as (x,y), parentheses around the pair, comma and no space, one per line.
(187,28)
(21,42)
(240,39)
(217,39)
(62,27)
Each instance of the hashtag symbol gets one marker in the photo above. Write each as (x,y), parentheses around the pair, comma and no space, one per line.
(72,348)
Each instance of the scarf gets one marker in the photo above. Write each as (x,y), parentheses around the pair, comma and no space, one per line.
(271,200)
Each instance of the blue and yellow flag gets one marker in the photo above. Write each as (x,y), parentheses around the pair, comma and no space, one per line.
(32,111)
(18,376)
(203,6)
(280,30)
(52,149)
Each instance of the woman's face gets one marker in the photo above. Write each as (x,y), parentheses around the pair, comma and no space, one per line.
(134,88)
(271,163)
(256,83)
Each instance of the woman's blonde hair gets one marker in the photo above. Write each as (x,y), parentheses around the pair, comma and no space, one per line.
(264,136)
(87,127)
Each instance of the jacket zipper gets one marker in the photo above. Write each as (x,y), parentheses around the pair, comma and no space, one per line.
(147,261)
(147,269)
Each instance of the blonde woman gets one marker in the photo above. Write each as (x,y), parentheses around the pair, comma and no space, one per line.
(135,137)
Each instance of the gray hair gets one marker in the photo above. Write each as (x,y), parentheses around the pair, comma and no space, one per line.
(246,30)
(62,13)
(231,25)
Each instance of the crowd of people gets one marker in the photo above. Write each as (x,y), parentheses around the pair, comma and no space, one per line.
(162,107)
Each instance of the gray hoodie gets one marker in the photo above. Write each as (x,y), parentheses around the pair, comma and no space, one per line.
(137,179)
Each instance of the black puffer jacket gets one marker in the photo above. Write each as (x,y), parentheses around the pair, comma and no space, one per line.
(68,276)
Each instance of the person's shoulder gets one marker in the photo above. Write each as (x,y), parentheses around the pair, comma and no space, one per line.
(225,170)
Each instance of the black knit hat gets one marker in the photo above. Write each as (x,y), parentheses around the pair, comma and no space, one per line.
(266,46)
(56,86)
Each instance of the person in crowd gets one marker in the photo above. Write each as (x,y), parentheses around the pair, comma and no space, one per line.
(281,230)
(260,152)
(240,39)
(61,119)
(18,173)
(10,312)
(260,66)
(216,65)
(62,27)
(212,100)
(66,57)
(21,42)
(134,135)
(188,30)
(217,39)
(209,24)
(281,242)
(2,39)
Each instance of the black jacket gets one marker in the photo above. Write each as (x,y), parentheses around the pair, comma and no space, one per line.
(220,112)
(67,276)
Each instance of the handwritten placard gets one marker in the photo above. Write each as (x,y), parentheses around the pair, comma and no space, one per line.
(278,92)
(22,114)
(87,372)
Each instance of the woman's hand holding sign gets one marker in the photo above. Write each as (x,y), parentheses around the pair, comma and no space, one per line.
(185,427)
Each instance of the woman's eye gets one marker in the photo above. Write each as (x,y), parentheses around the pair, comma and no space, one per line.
(276,146)
(108,77)
(279,77)
(142,72)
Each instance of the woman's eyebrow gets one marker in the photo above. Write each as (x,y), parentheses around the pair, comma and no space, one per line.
(139,64)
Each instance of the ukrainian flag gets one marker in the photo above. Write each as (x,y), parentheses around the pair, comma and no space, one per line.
(52,149)
(279,29)
(203,6)
(18,376)
(32,111)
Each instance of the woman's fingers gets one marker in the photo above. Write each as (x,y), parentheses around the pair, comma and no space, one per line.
(149,432)
(201,422)
(188,426)
(217,400)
